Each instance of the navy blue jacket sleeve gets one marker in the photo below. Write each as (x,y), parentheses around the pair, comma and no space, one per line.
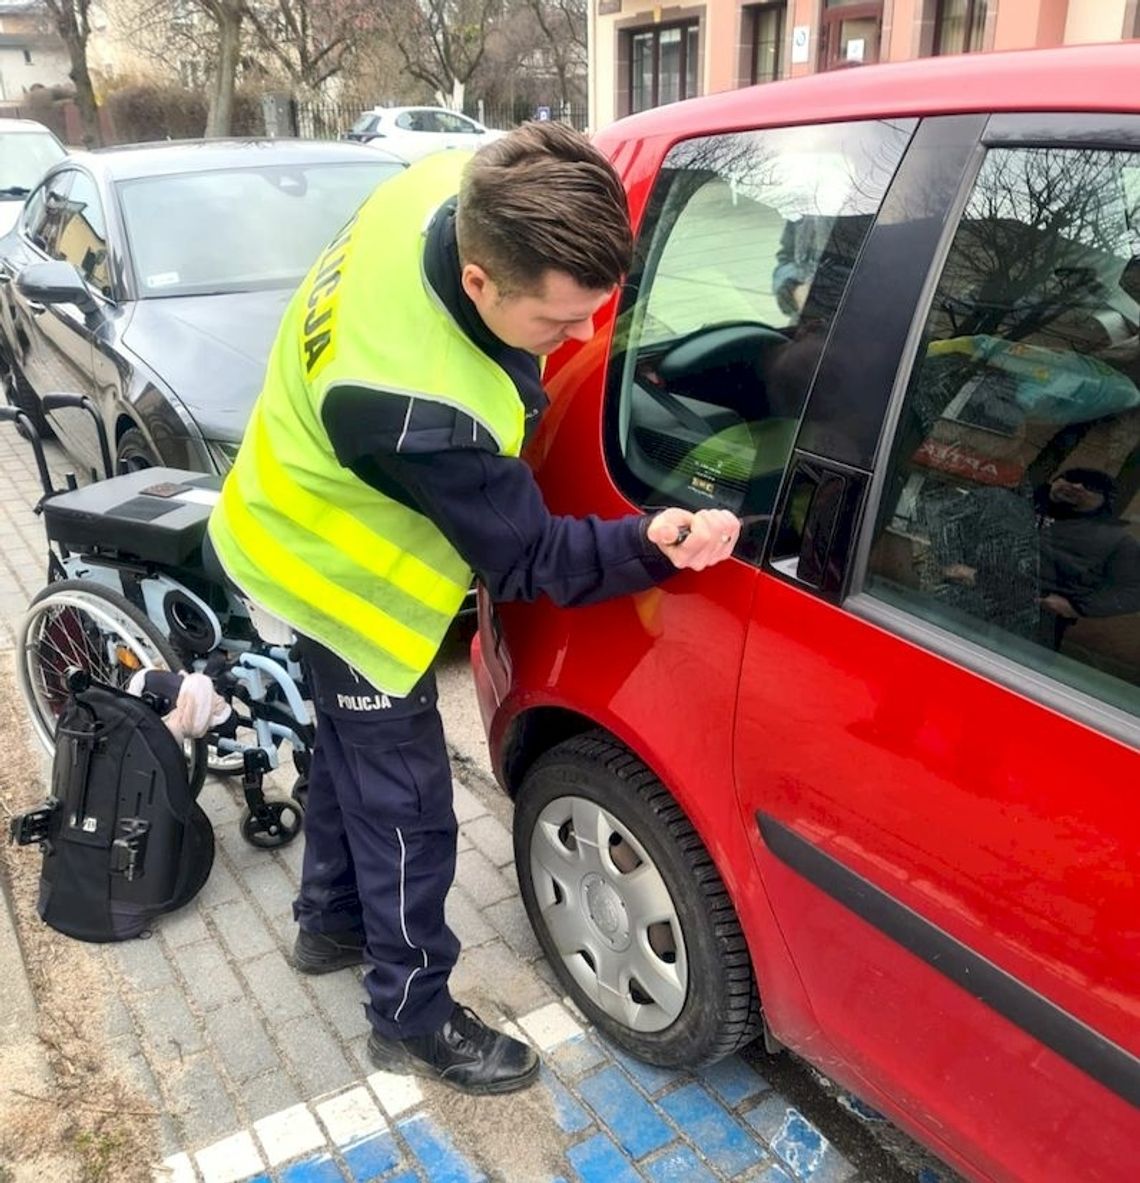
(437,460)
(491,510)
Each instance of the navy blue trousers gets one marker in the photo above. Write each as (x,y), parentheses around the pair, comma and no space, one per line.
(380,836)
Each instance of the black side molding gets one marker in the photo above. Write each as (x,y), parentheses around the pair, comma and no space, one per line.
(1106,1062)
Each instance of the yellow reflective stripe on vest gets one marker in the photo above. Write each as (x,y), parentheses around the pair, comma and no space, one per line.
(350,536)
(320,594)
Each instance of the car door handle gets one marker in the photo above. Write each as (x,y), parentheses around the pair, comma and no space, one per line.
(36,309)
(820,506)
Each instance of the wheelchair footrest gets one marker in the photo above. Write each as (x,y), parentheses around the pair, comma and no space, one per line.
(128,851)
(33,826)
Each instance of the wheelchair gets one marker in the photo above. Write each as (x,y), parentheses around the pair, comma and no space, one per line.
(132,585)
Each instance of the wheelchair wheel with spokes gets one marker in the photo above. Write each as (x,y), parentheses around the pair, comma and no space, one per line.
(79,623)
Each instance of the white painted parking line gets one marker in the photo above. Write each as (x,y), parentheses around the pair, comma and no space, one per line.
(351,1116)
(229,1160)
(550,1025)
(176,1169)
(289,1134)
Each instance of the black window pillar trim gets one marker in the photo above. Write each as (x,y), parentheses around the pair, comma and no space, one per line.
(1111,1065)
(855,380)
(1063,129)
(920,311)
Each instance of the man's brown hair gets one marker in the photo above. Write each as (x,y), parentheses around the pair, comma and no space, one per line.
(542,198)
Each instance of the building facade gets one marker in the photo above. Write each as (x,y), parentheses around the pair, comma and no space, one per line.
(644,55)
(31,52)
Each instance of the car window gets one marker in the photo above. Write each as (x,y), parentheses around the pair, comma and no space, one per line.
(239,229)
(24,158)
(1011,510)
(82,237)
(43,218)
(32,217)
(746,249)
(417,121)
(453,124)
(366,122)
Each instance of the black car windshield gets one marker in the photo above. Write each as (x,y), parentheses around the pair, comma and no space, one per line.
(24,157)
(239,229)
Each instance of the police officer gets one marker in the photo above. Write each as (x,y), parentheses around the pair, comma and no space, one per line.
(379,469)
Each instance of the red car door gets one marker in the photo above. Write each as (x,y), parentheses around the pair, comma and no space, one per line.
(938,717)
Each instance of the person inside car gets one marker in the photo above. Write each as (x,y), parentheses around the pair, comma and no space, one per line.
(380,467)
(1090,562)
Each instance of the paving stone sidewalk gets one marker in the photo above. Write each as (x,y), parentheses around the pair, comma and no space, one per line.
(262,1074)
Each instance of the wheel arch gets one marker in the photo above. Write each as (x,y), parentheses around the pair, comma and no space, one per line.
(123,424)
(535,731)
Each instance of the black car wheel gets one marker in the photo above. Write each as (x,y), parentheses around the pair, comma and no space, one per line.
(133,452)
(629,907)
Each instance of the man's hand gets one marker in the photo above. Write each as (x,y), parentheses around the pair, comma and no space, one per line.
(694,540)
(1060,606)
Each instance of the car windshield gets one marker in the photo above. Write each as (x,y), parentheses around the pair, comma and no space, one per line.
(241,229)
(24,157)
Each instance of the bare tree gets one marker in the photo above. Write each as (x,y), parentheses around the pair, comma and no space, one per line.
(563,24)
(442,42)
(312,40)
(71,18)
(227,16)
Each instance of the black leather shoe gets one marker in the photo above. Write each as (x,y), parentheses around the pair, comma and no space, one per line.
(323,952)
(464,1053)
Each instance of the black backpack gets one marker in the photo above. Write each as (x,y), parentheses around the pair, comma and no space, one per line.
(123,837)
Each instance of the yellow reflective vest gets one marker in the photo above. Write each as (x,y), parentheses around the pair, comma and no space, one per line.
(371,579)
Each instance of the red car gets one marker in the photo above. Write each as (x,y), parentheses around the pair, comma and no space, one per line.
(871,786)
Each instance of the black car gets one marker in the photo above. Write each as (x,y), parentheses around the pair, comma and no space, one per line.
(152,279)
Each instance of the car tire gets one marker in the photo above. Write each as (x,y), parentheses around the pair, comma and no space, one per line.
(601,927)
(134,452)
(21,395)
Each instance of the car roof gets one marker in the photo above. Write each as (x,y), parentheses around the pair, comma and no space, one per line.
(168,157)
(22,125)
(1074,78)
(417,107)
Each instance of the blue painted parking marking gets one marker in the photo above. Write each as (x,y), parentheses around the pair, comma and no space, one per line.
(634,1122)
(598,1160)
(722,1139)
(372,1157)
(678,1164)
(320,1169)
(571,1117)
(436,1153)
(733,1080)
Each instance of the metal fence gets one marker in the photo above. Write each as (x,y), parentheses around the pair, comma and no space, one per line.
(325,120)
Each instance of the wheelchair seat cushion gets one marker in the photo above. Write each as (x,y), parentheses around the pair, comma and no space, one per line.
(156,515)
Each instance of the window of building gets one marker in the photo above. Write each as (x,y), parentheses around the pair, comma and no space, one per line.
(1011,510)
(959,26)
(664,65)
(766,25)
(850,31)
(747,247)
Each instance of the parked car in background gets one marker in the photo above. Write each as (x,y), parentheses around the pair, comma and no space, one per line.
(413,132)
(152,279)
(27,151)
(869,786)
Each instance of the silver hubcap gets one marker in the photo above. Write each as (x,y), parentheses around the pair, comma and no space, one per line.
(605,905)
